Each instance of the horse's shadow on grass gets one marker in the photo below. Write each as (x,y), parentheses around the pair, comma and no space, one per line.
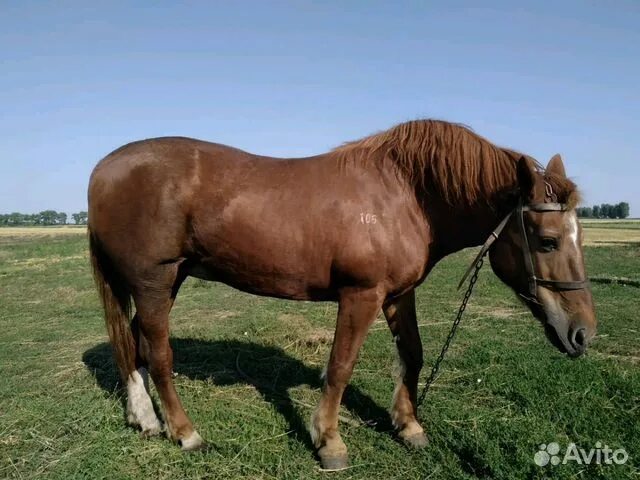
(270,370)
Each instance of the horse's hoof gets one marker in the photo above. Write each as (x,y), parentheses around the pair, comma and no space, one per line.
(192,443)
(417,440)
(151,432)
(335,462)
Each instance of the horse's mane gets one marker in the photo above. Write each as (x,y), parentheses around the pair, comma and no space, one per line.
(450,158)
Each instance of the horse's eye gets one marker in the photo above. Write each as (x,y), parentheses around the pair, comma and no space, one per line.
(548,244)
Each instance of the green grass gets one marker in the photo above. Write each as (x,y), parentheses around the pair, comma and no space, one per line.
(248,372)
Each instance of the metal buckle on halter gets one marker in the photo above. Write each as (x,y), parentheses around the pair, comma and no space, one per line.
(549,193)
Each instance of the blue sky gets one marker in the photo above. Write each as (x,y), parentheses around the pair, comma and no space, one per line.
(298,78)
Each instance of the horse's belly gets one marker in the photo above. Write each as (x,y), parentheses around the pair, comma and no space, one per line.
(266,276)
(266,247)
(271,284)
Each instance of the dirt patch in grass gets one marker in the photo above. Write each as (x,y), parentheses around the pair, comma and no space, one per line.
(496,311)
(69,294)
(222,314)
(302,333)
(318,336)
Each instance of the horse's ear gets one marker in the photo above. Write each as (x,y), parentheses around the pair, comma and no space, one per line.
(526,176)
(556,166)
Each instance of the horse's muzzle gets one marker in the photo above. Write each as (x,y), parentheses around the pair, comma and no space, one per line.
(579,338)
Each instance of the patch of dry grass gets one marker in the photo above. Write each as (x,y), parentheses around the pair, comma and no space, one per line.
(42,231)
(609,236)
(42,262)
(604,221)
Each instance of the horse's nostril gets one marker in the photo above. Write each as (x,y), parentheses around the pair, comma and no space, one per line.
(579,339)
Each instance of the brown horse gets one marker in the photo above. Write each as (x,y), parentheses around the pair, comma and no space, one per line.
(361,225)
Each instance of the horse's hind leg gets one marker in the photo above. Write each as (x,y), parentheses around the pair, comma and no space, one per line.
(401,317)
(140,411)
(154,298)
(357,310)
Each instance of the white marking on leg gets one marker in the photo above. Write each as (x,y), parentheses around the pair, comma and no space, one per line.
(323,374)
(314,431)
(139,407)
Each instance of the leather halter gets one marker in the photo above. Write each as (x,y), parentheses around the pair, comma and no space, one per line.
(532,279)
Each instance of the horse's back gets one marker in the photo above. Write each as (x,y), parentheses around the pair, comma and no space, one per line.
(283,227)
(142,193)
(168,153)
(161,166)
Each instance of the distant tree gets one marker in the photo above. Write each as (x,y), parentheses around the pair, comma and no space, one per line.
(61,218)
(623,209)
(48,217)
(16,218)
(617,210)
(80,218)
(605,210)
(587,212)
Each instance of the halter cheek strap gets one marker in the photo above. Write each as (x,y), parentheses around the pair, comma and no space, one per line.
(528,258)
(532,280)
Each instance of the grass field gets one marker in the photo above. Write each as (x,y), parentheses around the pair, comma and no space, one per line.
(247,371)
(31,232)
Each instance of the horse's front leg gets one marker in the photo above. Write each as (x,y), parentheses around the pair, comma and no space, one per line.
(356,312)
(401,317)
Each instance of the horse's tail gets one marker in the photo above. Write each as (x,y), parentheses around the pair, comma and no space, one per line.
(116,301)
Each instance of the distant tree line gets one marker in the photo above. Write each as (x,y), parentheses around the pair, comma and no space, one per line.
(47,217)
(619,210)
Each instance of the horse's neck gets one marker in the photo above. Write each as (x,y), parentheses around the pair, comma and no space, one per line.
(456,227)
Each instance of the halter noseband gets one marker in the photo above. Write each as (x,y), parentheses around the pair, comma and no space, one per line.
(532,278)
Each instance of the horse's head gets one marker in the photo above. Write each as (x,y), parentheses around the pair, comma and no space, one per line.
(539,255)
